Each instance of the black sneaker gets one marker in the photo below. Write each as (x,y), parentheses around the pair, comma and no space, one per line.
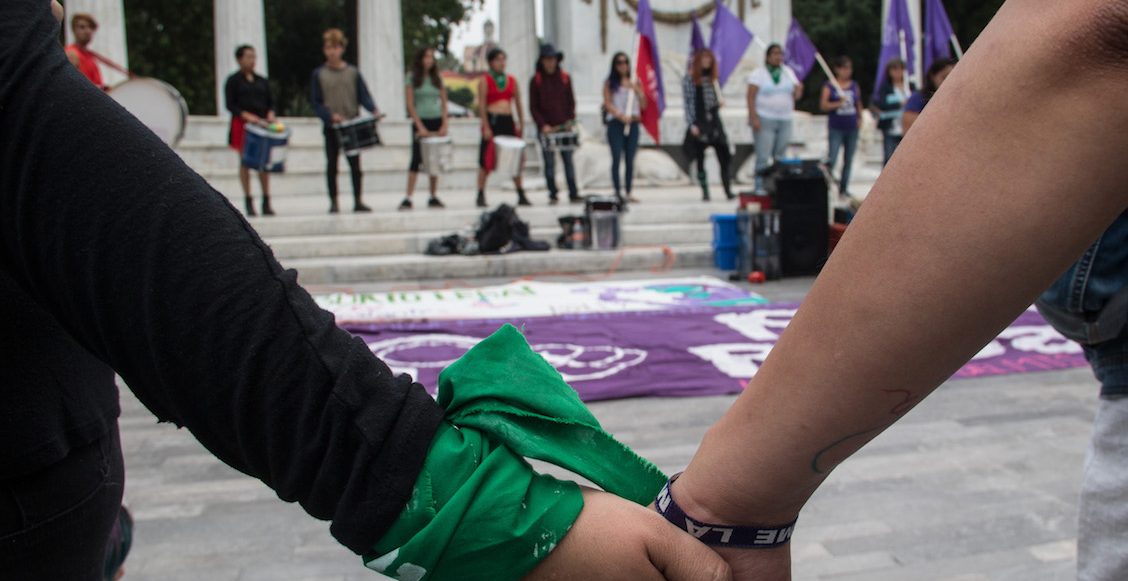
(435,203)
(405,204)
(361,208)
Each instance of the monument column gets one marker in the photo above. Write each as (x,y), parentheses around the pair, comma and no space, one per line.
(109,39)
(518,38)
(237,22)
(380,54)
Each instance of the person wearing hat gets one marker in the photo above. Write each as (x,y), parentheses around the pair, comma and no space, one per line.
(553,105)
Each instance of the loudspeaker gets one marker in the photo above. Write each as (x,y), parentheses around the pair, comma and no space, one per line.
(803,228)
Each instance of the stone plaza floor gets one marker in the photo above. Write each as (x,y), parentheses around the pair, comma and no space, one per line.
(978,483)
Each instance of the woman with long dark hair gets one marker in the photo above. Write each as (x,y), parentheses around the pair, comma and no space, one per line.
(621,112)
(427,107)
(842,101)
(889,106)
(937,72)
(703,120)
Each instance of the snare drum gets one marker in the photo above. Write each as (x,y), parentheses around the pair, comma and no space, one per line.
(265,150)
(437,154)
(509,152)
(562,141)
(156,104)
(358,134)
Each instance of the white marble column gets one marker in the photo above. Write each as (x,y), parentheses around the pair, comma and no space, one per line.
(237,22)
(518,38)
(109,40)
(380,54)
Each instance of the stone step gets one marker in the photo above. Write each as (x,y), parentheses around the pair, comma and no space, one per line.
(383,244)
(314,272)
(658,208)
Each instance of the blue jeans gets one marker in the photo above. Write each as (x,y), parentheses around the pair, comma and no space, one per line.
(771,143)
(622,144)
(550,172)
(838,138)
(890,142)
(1103,508)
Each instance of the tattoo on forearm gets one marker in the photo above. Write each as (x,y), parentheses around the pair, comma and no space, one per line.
(902,407)
(906,404)
(817,469)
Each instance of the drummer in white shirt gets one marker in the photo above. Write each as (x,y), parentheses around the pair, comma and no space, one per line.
(772,92)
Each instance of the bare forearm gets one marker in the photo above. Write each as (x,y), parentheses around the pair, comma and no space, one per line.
(956,239)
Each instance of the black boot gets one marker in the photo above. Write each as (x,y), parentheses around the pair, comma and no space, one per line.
(521,199)
(481,203)
(333,208)
(266,209)
(704,181)
(250,202)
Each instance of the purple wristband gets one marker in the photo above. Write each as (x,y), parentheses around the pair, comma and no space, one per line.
(741,537)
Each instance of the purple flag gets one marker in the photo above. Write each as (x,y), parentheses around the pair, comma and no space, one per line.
(799,52)
(938,33)
(648,68)
(728,41)
(897,25)
(695,42)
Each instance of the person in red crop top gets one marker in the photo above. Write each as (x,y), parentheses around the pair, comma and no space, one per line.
(83,27)
(498,97)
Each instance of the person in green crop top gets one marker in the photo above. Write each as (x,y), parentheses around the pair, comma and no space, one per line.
(427,107)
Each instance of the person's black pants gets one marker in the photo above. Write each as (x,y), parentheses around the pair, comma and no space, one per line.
(332,154)
(55,523)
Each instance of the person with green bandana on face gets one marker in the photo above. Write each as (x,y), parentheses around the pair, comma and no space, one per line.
(166,284)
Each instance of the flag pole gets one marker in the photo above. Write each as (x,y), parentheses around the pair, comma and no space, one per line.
(904,59)
(630,75)
(956,46)
(830,75)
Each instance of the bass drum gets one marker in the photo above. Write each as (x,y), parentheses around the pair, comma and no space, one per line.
(156,104)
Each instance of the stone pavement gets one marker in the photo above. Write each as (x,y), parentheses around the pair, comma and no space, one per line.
(978,483)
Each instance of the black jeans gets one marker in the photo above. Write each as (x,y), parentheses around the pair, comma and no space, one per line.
(332,154)
(55,523)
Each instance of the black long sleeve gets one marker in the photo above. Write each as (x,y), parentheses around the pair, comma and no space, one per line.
(151,271)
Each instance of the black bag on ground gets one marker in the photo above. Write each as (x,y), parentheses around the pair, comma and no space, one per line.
(501,231)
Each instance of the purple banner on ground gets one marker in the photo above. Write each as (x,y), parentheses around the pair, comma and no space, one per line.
(679,352)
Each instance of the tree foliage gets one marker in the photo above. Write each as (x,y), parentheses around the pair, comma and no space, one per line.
(854,28)
(293,41)
(174,42)
(430,23)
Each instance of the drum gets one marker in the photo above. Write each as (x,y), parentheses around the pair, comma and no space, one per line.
(358,134)
(265,150)
(509,152)
(562,141)
(437,154)
(156,104)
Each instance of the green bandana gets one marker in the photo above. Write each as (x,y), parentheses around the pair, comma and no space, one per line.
(500,79)
(776,72)
(479,511)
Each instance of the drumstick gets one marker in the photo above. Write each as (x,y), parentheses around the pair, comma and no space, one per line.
(630,77)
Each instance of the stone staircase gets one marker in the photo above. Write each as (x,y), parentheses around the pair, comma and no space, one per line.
(671,225)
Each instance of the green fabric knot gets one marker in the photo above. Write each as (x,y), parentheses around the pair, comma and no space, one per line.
(478,510)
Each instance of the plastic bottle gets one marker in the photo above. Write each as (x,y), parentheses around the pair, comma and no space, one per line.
(577,234)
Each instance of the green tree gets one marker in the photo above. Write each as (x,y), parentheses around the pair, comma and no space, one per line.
(431,23)
(854,27)
(174,42)
(293,40)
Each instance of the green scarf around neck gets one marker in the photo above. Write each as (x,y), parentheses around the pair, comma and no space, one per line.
(500,79)
(776,73)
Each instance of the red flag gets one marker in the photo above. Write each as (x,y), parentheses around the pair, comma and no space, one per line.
(648,71)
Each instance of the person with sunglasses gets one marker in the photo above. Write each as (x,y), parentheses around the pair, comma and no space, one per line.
(623,100)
